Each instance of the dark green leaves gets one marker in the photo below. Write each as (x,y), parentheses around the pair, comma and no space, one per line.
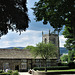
(13,16)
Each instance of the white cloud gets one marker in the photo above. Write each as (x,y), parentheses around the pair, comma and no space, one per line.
(62,40)
(12,39)
(29,37)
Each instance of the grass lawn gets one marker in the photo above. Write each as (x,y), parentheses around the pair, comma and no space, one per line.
(59,70)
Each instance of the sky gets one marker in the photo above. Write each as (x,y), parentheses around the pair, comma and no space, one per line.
(32,35)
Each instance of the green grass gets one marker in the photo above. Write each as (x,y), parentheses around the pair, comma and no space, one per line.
(58,70)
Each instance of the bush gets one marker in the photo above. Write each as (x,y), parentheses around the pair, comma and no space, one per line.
(52,68)
(15,73)
(62,64)
(39,68)
(9,71)
(5,74)
(57,68)
(71,65)
(1,71)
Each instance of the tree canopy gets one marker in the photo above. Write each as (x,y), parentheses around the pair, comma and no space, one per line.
(46,51)
(29,47)
(13,16)
(56,12)
(64,58)
(70,40)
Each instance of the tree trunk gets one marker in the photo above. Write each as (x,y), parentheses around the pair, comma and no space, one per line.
(45,66)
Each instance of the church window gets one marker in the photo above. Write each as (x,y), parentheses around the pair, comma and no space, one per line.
(54,41)
(45,40)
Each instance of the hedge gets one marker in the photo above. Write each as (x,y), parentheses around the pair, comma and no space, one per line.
(5,74)
(52,68)
(15,72)
(1,71)
(9,71)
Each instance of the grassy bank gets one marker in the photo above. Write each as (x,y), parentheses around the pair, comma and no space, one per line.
(58,70)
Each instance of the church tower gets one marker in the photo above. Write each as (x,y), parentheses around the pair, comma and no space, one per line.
(46,38)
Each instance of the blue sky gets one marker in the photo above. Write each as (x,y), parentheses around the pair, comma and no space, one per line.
(31,36)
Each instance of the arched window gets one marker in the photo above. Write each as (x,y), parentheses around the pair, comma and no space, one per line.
(54,40)
(45,40)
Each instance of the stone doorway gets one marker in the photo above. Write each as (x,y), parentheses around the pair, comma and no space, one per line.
(17,67)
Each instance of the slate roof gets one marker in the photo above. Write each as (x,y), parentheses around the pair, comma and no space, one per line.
(16,54)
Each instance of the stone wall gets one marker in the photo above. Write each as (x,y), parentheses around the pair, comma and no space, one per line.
(11,63)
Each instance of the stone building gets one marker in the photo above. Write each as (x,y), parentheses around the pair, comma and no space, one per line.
(22,60)
(46,38)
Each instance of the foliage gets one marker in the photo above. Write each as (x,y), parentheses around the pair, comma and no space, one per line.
(56,12)
(64,58)
(46,51)
(71,55)
(29,47)
(71,65)
(16,48)
(70,41)
(1,71)
(13,16)
(15,73)
(9,71)
(5,74)
(52,68)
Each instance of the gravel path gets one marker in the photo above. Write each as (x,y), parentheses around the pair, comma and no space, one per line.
(24,73)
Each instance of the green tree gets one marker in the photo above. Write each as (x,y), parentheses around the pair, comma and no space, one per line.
(29,47)
(16,48)
(56,12)
(46,51)
(71,55)
(70,40)
(13,16)
(64,58)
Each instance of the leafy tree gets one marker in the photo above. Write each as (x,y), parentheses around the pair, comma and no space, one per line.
(29,47)
(16,48)
(64,58)
(70,40)
(46,51)
(13,16)
(56,12)
(71,55)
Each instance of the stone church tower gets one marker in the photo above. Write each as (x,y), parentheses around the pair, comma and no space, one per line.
(46,38)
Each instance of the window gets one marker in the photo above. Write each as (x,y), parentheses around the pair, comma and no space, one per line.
(37,60)
(45,40)
(48,64)
(24,61)
(54,40)
(5,66)
(38,64)
(23,65)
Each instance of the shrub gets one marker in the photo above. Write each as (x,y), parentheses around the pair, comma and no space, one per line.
(71,65)
(5,74)
(62,64)
(9,71)
(1,71)
(57,68)
(52,68)
(39,68)
(15,73)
